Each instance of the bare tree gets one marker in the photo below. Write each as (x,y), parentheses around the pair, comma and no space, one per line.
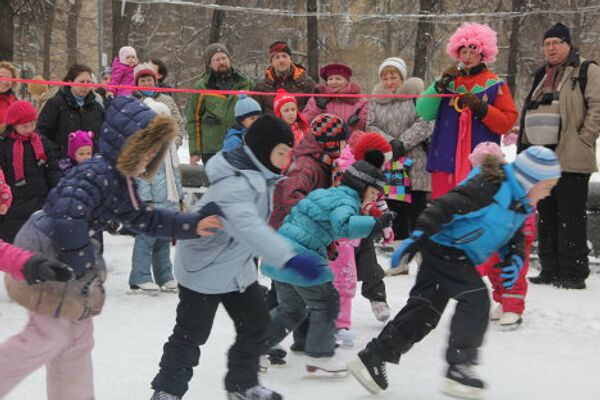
(312,39)
(424,40)
(50,12)
(7,28)
(121,24)
(218,19)
(73,13)
(514,44)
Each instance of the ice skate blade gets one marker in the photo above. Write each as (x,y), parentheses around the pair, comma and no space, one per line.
(358,370)
(510,327)
(163,290)
(396,271)
(318,372)
(459,391)
(137,292)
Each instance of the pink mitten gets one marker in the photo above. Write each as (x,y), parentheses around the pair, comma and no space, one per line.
(388,235)
(510,139)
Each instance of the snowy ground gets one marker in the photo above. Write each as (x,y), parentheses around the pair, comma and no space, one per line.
(555,355)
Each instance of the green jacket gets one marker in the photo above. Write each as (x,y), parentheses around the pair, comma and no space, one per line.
(209,116)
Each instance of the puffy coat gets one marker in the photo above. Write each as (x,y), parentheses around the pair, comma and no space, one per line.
(297,81)
(122,74)
(482,215)
(62,115)
(305,174)
(101,189)
(234,138)
(343,107)
(242,188)
(315,222)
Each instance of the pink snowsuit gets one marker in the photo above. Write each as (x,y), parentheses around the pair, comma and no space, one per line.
(512,300)
(122,74)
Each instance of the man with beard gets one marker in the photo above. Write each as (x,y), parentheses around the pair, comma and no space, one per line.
(209,116)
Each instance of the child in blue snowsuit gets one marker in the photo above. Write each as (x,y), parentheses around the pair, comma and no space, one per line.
(246,111)
(322,217)
(460,230)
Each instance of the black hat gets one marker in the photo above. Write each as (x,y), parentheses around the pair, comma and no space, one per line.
(266,133)
(361,175)
(560,31)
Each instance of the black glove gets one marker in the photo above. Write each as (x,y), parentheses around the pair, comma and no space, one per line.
(321,101)
(478,106)
(385,221)
(398,149)
(447,76)
(40,269)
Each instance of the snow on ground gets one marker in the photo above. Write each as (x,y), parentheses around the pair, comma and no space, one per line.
(555,355)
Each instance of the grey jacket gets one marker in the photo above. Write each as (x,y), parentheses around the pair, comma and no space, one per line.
(398,119)
(243,189)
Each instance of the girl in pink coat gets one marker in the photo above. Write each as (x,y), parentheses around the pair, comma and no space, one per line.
(122,71)
(353,110)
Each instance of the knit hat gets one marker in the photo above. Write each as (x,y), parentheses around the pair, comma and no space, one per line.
(361,175)
(329,130)
(477,36)
(560,31)
(370,141)
(536,164)
(245,107)
(280,99)
(126,51)
(212,49)
(266,133)
(484,149)
(144,69)
(106,71)
(394,62)
(335,69)
(279,47)
(79,139)
(20,112)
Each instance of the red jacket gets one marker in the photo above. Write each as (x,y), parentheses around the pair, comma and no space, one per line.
(6,99)
(13,259)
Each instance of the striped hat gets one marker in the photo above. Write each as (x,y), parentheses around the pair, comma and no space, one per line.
(534,165)
(361,175)
(329,130)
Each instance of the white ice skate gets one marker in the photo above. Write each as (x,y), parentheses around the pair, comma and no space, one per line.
(463,383)
(327,366)
(147,288)
(170,287)
(344,338)
(497,313)
(510,321)
(264,364)
(381,310)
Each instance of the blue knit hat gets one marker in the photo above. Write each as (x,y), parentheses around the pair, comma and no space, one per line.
(245,107)
(534,165)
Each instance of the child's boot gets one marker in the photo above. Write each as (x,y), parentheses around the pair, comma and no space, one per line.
(497,313)
(369,370)
(381,310)
(510,320)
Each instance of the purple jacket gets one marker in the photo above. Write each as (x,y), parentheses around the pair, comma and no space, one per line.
(122,74)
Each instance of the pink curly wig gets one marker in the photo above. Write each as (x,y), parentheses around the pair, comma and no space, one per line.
(479,36)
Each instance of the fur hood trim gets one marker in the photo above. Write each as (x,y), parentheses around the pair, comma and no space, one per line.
(161,131)
(412,86)
(491,169)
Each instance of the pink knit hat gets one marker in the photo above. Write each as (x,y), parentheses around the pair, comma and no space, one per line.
(79,139)
(484,149)
(477,36)
(126,51)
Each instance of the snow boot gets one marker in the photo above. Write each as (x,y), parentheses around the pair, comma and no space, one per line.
(276,356)
(147,288)
(463,383)
(344,338)
(369,370)
(170,286)
(381,310)
(330,365)
(510,320)
(497,313)
(160,395)
(257,392)
(297,347)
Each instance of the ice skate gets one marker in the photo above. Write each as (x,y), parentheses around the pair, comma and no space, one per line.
(462,382)
(369,370)
(344,338)
(276,356)
(331,366)
(381,310)
(170,287)
(497,313)
(160,395)
(257,392)
(147,288)
(510,321)
(264,364)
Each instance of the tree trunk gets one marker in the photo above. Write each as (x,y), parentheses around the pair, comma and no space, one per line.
(74,11)
(7,28)
(424,41)
(47,44)
(121,25)
(312,38)
(514,45)
(218,18)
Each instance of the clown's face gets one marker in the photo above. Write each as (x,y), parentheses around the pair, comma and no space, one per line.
(469,57)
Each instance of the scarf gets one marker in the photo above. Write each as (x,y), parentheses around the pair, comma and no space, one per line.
(462,166)
(18,154)
(549,84)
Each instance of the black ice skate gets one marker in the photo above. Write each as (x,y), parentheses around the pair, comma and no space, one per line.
(257,392)
(160,395)
(276,356)
(369,370)
(463,383)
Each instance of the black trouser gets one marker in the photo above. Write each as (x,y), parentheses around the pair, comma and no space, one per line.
(445,273)
(369,272)
(195,316)
(562,224)
(407,213)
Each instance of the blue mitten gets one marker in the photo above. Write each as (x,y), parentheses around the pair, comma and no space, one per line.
(510,270)
(409,247)
(306,265)
(209,209)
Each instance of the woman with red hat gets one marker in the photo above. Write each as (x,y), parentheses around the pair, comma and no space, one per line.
(353,110)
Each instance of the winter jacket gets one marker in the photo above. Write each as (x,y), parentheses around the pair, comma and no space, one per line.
(305,174)
(482,215)
(234,138)
(297,81)
(242,188)
(343,107)
(210,115)
(499,119)
(122,74)
(101,190)
(580,123)
(30,196)
(62,115)
(315,222)
(398,119)
(6,99)
(5,192)
(170,103)
(156,192)
(13,259)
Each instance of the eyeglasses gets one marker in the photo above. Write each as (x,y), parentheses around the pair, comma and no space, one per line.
(554,43)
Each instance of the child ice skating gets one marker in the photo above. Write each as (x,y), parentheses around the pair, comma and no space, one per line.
(482,215)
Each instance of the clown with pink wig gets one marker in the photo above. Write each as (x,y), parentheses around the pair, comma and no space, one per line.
(482,111)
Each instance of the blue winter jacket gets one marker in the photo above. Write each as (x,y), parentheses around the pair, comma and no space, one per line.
(155,191)
(94,193)
(234,138)
(319,219)
(480,216)
(243,189)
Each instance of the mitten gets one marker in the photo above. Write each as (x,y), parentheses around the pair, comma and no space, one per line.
(40,269)
(478,106)
(209,209)
(385,221)
(371,209)
(447,76)
(398,149)
(511,266)
(408,248)
(306,265)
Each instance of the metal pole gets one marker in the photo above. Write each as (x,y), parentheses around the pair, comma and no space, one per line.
(100,36)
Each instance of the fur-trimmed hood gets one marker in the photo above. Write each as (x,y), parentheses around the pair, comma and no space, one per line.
(412,86)
(130,130)
(350,88)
